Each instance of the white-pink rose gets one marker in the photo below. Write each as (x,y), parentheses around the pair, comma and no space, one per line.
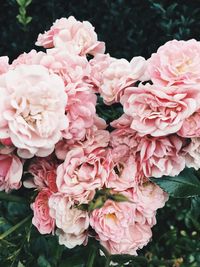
(72,223)
(159,111)
(158,156)
(119,227)
(81,174)
(10,172)
(191,126)
(75,36)
(192,154)
(41,219)
(4,64)
(176,63)
(114,75)
(32,108)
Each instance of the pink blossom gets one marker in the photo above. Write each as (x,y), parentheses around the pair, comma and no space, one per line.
(158,156)
(114,75)
(149,198)
(72,223)
(159,111)
(41,219)
(81,111)
(10,172)
(192,153)
(125,227)
(32,109)
(71,68)
(75,36)
(44,174)
(176,63)
(123,171)
(4,64)
(94,138)
(191,126)
(31,58)
(119,227)
(81,174)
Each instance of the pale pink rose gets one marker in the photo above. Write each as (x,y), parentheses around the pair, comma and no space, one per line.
(32,109)
(176,63)
(42,219)
(94,139)
(72,223)
(72,68)
(81,111)
(10,172)
(158,156)
(31,58)
(123,139)
(149,198)
(75,36)
(119,227)
(43,171)
(116,75)
(192,154)
(191,126)
(123,172)
(81,174)
(4,64)
(159,111)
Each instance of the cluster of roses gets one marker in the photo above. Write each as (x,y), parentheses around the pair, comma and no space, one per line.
(92,182)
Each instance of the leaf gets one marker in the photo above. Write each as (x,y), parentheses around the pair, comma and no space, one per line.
(184,185)
(20,264)
(42,262)
(73,261)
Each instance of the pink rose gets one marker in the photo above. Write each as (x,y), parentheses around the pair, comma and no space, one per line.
(4,64)
(44,174)
(124,172)
(192,154)
(75,36)
(191,126)
(149,198)
(81,174)
(159,111)
(176,63)
(94,139)
(71,68)
(32,109)
(116,75)
(31,58)
(161,156)
(81,111)
(72,223)
(119,227)
(41,219)
(10,172)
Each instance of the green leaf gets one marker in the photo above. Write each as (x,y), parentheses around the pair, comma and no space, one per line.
(184,185)
(20,264)
(42,262)
(73,261)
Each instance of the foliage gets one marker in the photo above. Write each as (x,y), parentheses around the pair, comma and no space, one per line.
(130,28)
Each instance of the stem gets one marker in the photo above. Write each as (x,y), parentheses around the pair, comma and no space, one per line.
(12,198)
(90,262)
(15,227)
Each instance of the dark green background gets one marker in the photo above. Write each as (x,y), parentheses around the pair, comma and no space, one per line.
(129,28)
